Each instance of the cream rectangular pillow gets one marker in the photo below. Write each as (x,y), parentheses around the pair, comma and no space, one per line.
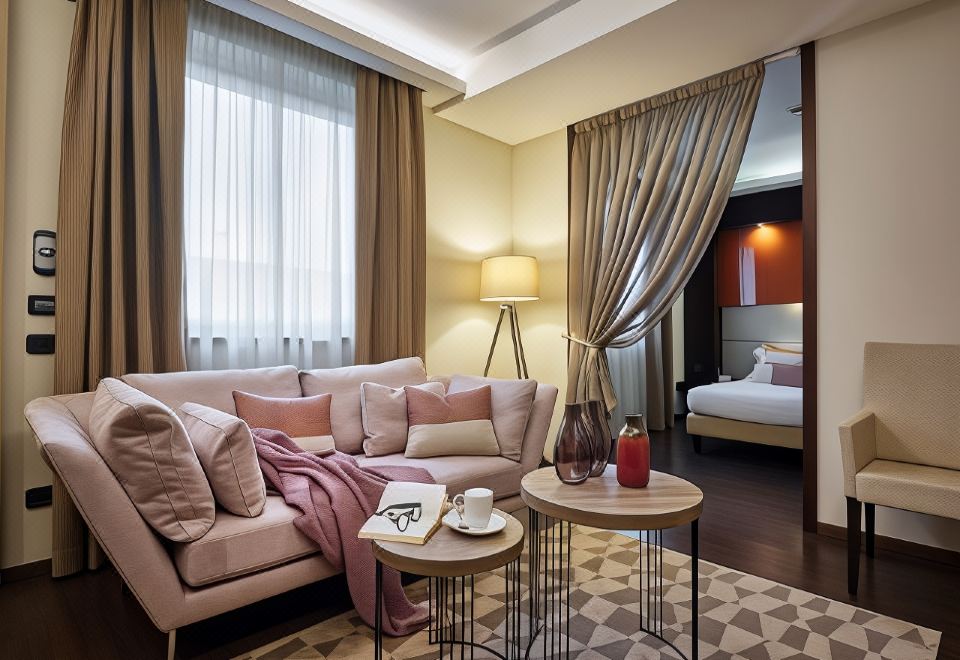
(146,446)
(384,414)
(471,438)
(226,451)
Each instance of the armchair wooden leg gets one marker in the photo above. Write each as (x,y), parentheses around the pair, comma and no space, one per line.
(172,644)
(697,443)
(853,544)
(871,511)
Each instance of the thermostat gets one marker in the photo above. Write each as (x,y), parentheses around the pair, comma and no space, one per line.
(40,305)
(44,252)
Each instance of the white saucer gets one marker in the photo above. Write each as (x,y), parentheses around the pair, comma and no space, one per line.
(496,524)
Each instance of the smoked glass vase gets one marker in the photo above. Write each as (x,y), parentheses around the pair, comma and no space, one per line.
(573,450)
(633,454)
(602,438)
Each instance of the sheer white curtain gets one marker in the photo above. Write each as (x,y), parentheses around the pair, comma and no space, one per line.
(269,189)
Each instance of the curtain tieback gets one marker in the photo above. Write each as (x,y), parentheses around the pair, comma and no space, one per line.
(582,342)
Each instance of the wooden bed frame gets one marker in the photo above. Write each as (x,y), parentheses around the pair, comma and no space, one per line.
(699,426)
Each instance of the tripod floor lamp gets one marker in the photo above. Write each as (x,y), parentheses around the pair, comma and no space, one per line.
(509,280)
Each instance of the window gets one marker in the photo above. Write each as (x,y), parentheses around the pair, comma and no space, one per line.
(269,187)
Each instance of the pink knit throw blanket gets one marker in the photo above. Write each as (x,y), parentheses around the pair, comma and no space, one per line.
(336,496)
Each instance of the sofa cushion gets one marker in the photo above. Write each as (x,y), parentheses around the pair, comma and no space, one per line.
(215,388)
(457,473)
(225,448)
(511,401)
(237,545)
(456,424)
(305,419)
(912,487)
(147,448)
(383,411)
(344,384)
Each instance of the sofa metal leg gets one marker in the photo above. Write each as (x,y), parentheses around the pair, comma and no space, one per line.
(853,545)
(697,444)
(172,644)
(871,511)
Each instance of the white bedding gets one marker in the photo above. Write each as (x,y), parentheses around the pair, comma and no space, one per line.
(747,401)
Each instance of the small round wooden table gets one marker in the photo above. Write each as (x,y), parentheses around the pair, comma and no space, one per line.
(450,558)
(667,501)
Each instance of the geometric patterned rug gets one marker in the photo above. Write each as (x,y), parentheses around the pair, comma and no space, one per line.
(741,616)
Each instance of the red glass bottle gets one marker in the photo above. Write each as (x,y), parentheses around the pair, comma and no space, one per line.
(633,454)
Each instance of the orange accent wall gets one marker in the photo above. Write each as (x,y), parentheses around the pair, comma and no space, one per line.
(778,263)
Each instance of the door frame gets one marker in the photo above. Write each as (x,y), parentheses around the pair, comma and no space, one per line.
(808,101)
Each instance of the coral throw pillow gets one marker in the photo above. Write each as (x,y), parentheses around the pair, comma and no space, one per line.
(450,425)
(305,419)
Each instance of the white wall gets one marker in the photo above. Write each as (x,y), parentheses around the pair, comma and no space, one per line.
(39,43)
(888,146)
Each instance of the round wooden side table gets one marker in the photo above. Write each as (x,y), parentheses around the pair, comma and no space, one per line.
(667,501)
(450,560)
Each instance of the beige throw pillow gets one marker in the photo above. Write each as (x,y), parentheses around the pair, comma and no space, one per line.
(383,411)
(511,402)
(226,451)
(146,446)
(344,384)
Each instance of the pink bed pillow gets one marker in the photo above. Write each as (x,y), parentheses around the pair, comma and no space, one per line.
(226,451)
(383,411)
(450,425)
(306,419)
(511,401)
(146,446)
(790,375)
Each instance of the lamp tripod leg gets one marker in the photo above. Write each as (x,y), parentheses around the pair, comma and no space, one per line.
(519,342)
(493,344)
(513,335)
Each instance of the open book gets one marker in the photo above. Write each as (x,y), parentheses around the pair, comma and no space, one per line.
(408,512)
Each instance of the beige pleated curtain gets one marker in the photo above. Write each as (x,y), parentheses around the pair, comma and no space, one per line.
(119,251)
(391,220)
(648,183)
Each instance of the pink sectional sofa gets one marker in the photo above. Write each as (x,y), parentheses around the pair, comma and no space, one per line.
(240,560)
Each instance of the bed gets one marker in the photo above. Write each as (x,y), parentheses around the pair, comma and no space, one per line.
(747,411)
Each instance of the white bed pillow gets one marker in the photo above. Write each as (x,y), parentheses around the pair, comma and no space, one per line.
(762,373)
(763,355)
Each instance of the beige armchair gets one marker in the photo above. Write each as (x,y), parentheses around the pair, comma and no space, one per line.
(903,449)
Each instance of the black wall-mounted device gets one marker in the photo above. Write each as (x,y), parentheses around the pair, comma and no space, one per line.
(44,252)
(40,344)
(40,305)
(39,496)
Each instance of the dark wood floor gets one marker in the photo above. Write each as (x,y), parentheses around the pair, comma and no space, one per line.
(751,522)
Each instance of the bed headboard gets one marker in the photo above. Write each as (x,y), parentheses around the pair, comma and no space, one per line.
(742,329)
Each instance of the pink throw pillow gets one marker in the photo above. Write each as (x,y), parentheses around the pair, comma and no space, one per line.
(790,375)
(305,419)
(450,425)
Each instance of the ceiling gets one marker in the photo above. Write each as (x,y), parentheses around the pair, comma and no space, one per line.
(516,70)
(773,155)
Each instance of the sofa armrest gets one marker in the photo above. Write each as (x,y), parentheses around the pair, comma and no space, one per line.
(538,425)
(133,548)
(858,447)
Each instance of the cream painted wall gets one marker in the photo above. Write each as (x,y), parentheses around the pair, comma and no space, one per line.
(888,147)
(40,32)
(540,230)
(468,218)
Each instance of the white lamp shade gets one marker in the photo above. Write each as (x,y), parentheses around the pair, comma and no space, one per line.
(509,279)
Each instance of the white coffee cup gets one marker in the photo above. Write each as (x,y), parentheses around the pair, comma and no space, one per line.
(475,506)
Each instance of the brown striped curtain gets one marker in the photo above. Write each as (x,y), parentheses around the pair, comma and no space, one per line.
(119,257)
(648,183)
(391,220)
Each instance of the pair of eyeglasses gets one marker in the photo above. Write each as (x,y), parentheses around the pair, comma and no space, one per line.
(401,514)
